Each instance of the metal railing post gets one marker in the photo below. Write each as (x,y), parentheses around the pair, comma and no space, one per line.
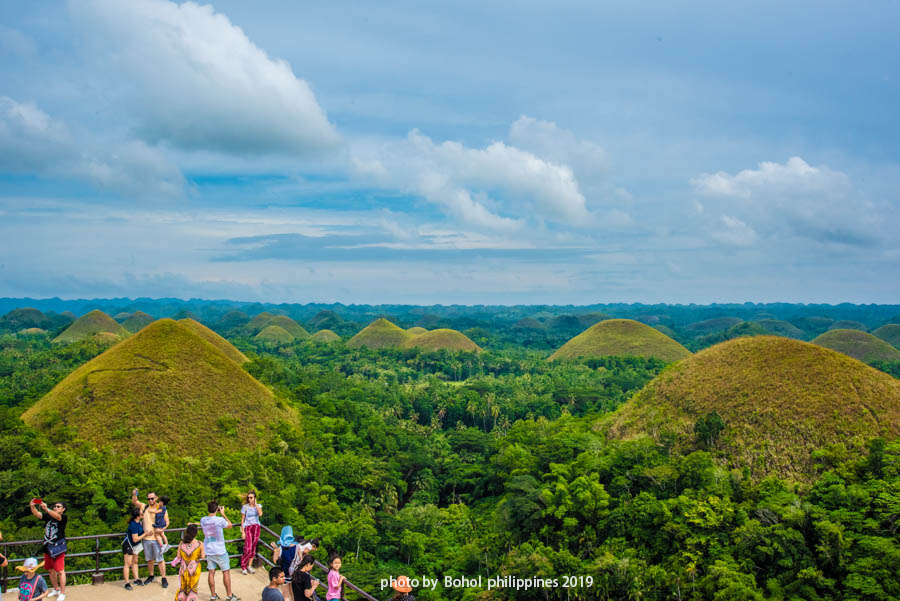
(97,576)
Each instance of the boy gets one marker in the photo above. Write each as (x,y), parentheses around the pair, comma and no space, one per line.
(32,587)
(273,591)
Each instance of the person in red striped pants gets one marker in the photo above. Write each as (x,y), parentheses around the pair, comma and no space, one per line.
(251,512)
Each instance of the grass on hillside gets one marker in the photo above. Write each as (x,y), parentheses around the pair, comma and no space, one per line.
(778,327)
(623,338)
(859,345)
(137,321)
(214,339)
(289,325)
(780,399)
(166,384)
(89,325)
(848,324)
(416,330)
(274,335)
(890,333)
(325,336)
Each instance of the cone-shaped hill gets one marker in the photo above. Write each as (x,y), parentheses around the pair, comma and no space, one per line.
(416,330)
(778,327)
(325,336)
(31,332)
(93,324)
(442,338)
(326,319)
(214,339)
(292,327)
(164,384)
(259,321)
(889,333)
(859,345)
(715,324)
(621,337)
(137,321)
(381,333)
(274,335)
(848,324)
(780,399)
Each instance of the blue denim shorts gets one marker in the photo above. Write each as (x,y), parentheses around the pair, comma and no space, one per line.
(218,562)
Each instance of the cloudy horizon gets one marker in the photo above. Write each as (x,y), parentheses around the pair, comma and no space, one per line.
(499,153)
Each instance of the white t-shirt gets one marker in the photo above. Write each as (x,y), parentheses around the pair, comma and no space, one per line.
(214,538)
(251,514)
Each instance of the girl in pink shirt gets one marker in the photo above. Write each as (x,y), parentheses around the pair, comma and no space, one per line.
(335,580)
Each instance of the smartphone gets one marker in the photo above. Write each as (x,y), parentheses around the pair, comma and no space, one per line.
(37,501)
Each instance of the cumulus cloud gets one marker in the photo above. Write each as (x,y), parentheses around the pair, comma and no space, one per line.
(549,141)
(790,199)
(477,185)
(194,80)
(31,141)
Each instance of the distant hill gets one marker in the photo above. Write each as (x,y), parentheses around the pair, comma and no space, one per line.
(780,399)
(164,384)
(259,321)
(289,325)
(233,319)
(325,319)
(214,339)
(451,340)
(415,330)
(847,324)
(325,336)
(621,337)
(665,330)
(528,323)
(274,335)
(813,325)
(91,325)
(781,328)
(713,325)
(859,345)
(137,321)
(28,317)
(31,332)
(381,333)
(890,333)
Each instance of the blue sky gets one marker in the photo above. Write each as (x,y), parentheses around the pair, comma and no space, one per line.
(469,152)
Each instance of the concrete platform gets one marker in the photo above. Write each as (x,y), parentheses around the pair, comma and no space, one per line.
(247,588)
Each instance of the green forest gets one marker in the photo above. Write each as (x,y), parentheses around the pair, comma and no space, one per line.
(437,463)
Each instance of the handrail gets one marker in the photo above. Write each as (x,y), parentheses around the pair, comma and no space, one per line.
(97,553)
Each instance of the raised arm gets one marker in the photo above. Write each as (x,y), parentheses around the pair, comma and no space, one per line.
(225,517)
(135,501)
(34,511)
(53,514)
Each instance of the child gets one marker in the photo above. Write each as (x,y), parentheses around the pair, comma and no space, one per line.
(160,522)
(187,558)
(302,584)
(335,580)
(32,587)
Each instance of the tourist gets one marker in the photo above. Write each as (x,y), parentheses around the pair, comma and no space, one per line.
(54,543)
(152,549)
(303,585)
(251,512)
(401,585)
(335,580)
(216,554)
(132,546)
(160,513)
(303,548)
(31,585)
(283,555)
(276,581)
(187,557)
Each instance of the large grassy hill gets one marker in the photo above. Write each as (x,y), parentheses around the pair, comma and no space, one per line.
(325,336)
(381,333)
(621,337)
(214,339)
(780,399)
(165,384)
(91,325)
(859,345)
(890,333)
(442,338)
(137,321)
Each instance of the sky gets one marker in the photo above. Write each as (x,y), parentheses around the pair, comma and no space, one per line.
(485,152)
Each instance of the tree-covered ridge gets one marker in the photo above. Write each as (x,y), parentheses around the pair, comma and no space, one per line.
(493,463)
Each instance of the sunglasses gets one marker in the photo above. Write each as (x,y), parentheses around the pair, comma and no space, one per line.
(58,506)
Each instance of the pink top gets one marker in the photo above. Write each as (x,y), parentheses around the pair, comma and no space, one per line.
(334,585)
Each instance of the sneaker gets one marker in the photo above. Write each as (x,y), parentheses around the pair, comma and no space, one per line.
(138,582)
(149,579)
(165,583)
(244,572)
(128,586)
(53,593)
(232,598)
(251,570)
(215,598)
(165,548)
(62,597)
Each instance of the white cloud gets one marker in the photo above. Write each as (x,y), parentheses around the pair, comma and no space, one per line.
(193,79)
(31,141)
(790,199)
(549,141)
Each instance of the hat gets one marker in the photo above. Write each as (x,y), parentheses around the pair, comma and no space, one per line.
(401,585)
(287,537)
(30,565)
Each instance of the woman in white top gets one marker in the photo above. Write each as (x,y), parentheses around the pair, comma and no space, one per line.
(251,512)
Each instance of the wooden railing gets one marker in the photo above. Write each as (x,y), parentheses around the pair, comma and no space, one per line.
(97,572)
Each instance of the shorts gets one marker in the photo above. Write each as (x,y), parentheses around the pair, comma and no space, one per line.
(57,564)
(218,562)
(152,551)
